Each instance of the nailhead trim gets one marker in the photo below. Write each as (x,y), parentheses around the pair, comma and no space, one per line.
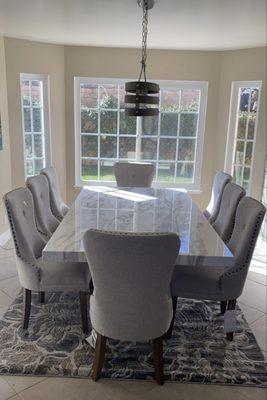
(251,247)
(18,252)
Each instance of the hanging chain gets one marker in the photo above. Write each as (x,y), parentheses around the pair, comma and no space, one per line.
(144,41)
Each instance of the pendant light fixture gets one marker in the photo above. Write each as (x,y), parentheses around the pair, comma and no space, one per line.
(141,98)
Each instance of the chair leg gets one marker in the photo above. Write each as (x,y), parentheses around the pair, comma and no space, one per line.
(230,306)
(223,306)
(99,356)
(27,297)
(158,360)
(41,297)
(84,315)
(168,334)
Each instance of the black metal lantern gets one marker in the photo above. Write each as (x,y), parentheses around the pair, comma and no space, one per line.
(141,97)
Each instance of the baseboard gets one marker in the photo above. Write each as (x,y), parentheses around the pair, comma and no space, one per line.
(4,237)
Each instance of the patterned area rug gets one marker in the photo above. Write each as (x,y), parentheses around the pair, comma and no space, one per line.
(197,352)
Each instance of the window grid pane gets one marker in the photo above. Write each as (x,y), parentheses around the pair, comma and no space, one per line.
(245,135)
(33,122)
(169,140)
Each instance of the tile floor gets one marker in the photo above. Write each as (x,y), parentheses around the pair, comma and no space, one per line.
(252,302)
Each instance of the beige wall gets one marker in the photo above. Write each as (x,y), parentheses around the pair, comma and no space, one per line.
(39,58)
(62,63)
(163,64)
(243,65)
(5,167)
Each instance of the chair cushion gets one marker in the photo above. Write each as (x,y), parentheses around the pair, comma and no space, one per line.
(198,282)
(63,276)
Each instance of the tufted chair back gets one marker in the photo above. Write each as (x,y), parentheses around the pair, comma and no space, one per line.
(45,220)
(58,207)
(224,223)
(249,216)
(219,182)
(130,174)
(27,240)
(131,274)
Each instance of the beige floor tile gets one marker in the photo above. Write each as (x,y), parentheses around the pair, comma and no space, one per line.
(5,390)
(135,387)
(10,286)
(2,311)
(259,328)
(254,295)
(5,300)
(174,391)
(256,277)
(255,394)
(251,314)
(8,268)
(8,251)
(19,383)
(76,389)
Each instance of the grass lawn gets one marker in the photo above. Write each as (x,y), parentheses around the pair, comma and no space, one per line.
(106,174)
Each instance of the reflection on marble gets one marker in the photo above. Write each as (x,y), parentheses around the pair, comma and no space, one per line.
(138,210)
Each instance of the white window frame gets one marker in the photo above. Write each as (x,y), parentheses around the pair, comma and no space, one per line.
(46,116)
(198,85)
(232,126)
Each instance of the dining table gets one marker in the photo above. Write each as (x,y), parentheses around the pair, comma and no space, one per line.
(139,210)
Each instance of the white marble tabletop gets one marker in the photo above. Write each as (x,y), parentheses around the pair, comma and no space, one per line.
(138,210)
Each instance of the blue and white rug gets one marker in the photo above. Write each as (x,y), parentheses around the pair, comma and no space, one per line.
(197,351)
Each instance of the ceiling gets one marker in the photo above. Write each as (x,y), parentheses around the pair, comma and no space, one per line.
(173,24)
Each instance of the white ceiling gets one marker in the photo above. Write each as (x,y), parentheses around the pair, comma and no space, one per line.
(173,24)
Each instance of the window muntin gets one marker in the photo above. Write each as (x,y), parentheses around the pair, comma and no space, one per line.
(242,131)
(35,119)
(173,140)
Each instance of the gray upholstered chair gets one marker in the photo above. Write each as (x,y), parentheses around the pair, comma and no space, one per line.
(133,174)
(45,220)
(34,274)
(220,283)
(131,274)
(224,223)
(58,207)
(219,182)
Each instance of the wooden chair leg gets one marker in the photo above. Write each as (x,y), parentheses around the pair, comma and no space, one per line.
(223,306)
(168,334)
(230,306)
(158,360)
(99,356)
(27,297)
(41,297)
(84,314)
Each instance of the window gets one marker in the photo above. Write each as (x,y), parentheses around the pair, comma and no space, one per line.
(242,130)
(36,123)
(172,141)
